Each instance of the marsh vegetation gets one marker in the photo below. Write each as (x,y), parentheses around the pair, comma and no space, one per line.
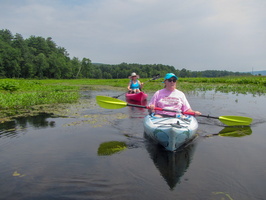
(24,96)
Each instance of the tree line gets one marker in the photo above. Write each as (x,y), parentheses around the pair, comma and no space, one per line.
(37,57)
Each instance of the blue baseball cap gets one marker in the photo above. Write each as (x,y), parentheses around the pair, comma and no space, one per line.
(170,75)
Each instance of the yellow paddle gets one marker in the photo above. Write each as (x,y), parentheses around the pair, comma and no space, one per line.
(228,120)
(112,103)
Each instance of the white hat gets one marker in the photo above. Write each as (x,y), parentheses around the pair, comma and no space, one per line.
(133,74)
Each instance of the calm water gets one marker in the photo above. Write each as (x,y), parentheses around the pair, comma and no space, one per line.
(56,158)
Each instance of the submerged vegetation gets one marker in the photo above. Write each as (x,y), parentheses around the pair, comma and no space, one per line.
(112,147)
(20,96)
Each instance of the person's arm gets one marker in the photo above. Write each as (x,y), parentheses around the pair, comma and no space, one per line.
(128,87)
(152,103)
(186,106)
(140,85)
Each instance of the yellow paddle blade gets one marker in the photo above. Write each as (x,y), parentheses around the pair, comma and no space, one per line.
(110,103)
(235,120)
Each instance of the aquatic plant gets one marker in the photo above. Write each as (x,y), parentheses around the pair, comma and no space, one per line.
(17,94)
(112,147)
(9,86)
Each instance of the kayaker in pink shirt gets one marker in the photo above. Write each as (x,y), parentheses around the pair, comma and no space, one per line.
(170,98)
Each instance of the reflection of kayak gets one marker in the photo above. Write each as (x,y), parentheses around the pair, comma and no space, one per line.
(141,96)
(172,132)
(143,103)
(171,165)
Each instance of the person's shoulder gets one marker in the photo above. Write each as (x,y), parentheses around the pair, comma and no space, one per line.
(162,91)
(179,92)
(157,92)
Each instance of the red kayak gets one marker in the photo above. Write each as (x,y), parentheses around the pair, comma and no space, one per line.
(141,96)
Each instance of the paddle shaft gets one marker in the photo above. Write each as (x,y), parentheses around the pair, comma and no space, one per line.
(161,109)
(208,116)
(120,95)
(156,108)
(154,78)
(112,103)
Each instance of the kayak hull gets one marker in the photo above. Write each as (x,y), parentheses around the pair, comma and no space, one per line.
(141,96)
(171,133)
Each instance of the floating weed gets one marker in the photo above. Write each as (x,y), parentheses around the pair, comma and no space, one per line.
(99,120)
(112,147)
(224,194)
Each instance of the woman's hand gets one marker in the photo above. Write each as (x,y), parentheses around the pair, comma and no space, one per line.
(197,113)
(151,108)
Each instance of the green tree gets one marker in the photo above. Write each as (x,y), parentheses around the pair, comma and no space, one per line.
(9,61)
(37,45)
(41,65)
(25,58)
(75,66)
(86,68)
(6,36)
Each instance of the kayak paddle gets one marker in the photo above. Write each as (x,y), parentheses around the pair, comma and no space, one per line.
(153,78)
(228,120)
(112,103)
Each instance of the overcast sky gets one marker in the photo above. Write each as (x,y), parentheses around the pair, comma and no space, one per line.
(193,34)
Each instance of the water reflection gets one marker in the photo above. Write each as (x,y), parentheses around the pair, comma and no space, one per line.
(12,128)
(143,103)
(172,165)
(136,112)
(233,131)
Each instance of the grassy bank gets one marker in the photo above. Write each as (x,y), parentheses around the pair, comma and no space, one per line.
(18,96)
(242,85)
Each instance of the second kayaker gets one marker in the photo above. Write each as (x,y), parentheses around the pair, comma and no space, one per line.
(134,85)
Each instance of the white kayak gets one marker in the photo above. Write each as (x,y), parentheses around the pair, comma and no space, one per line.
(171,132)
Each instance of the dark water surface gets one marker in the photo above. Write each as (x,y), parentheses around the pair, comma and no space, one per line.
(56,158)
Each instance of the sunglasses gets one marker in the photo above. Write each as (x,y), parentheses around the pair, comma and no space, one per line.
(171,80)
